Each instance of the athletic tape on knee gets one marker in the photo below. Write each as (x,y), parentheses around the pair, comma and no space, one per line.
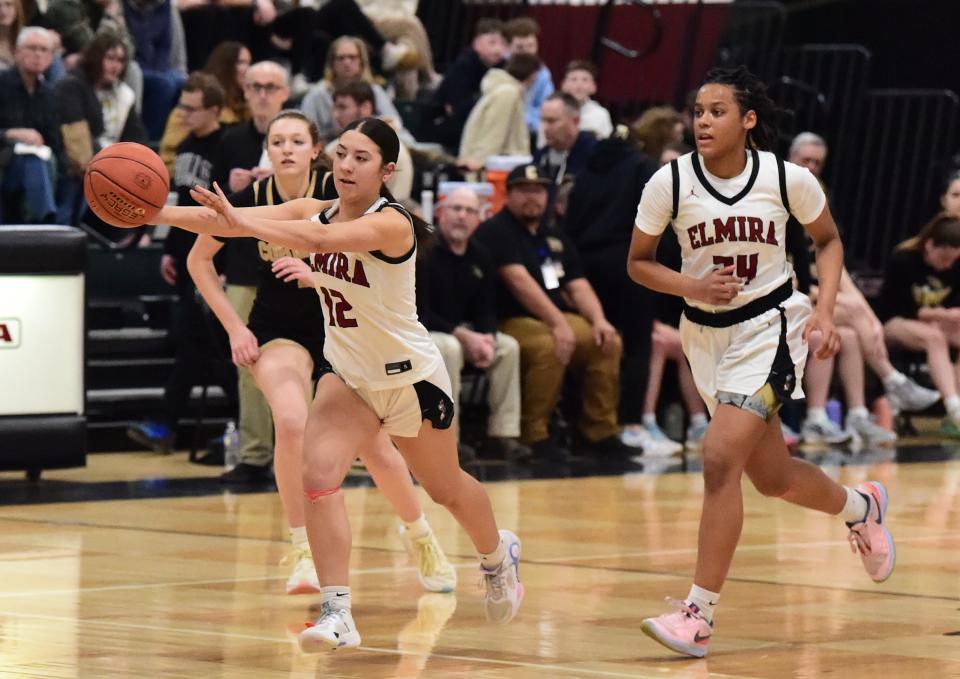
(314,495)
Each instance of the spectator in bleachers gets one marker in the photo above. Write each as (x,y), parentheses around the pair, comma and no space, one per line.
(29,115)
(153,25)
(656,128)
(348,61)
(673,150)
(407,52)
(241,158)
(523,37)
(599,220)
(920,306)
(197,352)
(456,288)
(580,82)
(307,31)
(228,63)
(950,198)
(356,100)
(566,148)
(497,125)
(77,21)
(11,22)
(460,88)
(861,341)
(545,302)
(97,109)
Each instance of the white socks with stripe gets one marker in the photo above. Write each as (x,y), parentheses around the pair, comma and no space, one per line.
(855,510)
(704,600)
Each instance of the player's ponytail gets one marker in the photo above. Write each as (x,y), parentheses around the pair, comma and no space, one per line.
(751,95)
(385,137)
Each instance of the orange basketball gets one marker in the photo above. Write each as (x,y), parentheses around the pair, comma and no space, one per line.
(126,184)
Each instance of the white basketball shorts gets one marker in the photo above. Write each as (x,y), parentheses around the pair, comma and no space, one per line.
(767,349)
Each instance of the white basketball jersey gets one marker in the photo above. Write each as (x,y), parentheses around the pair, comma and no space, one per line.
(373,337)
(740,222)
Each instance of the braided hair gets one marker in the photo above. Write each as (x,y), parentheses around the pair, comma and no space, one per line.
(751,95)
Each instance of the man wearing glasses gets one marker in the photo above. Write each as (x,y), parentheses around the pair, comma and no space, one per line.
(29,116)
(456,283)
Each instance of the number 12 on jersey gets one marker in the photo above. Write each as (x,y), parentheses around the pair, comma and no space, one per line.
(746,265)
(337,306)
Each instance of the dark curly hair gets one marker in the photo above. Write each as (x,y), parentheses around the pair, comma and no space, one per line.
(751,95)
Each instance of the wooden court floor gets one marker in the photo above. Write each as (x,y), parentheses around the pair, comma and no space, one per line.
(192,587)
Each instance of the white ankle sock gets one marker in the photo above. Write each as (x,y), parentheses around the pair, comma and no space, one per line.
(336,597)
(856,508)
(495,558)
(298,536)
(860,411)
(705,600)
(893,380)
(816,414)
(952,404)
(419,528)
(698,419)
(649,419)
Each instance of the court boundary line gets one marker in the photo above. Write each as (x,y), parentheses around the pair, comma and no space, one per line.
(552,667)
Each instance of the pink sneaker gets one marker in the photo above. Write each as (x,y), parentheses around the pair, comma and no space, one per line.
(871,537)
(683,630)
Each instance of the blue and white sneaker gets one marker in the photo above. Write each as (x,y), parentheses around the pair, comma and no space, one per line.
(154,435)
(334,629)
(504,590)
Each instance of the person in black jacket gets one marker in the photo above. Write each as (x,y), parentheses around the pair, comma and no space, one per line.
(28,115)
(600,215)
(97,109)
(456,284)
(460,88)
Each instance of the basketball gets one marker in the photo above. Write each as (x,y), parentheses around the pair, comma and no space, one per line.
(126,184)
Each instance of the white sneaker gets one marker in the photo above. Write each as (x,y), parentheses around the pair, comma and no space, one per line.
(333,629)
(908,396)
(504,590)
(637,436)
(304,578)
(435,571)
(868,431)
(656,433)
(823,431)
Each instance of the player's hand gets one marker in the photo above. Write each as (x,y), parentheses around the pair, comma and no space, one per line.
(605,336)
(823,323)
(240,179)
(244,348)
(290,269)
(564,341)
(719,287)
(168,269)
(217,201)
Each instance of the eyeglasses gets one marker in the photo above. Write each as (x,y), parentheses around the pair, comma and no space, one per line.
(189,109)
(462,208)
(263,88)
(37,48)
(346,57)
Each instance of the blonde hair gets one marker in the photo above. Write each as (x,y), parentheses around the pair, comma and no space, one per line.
(365,73)
(655,129)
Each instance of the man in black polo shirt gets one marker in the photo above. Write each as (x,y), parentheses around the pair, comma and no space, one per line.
(545,302)
(456,283)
